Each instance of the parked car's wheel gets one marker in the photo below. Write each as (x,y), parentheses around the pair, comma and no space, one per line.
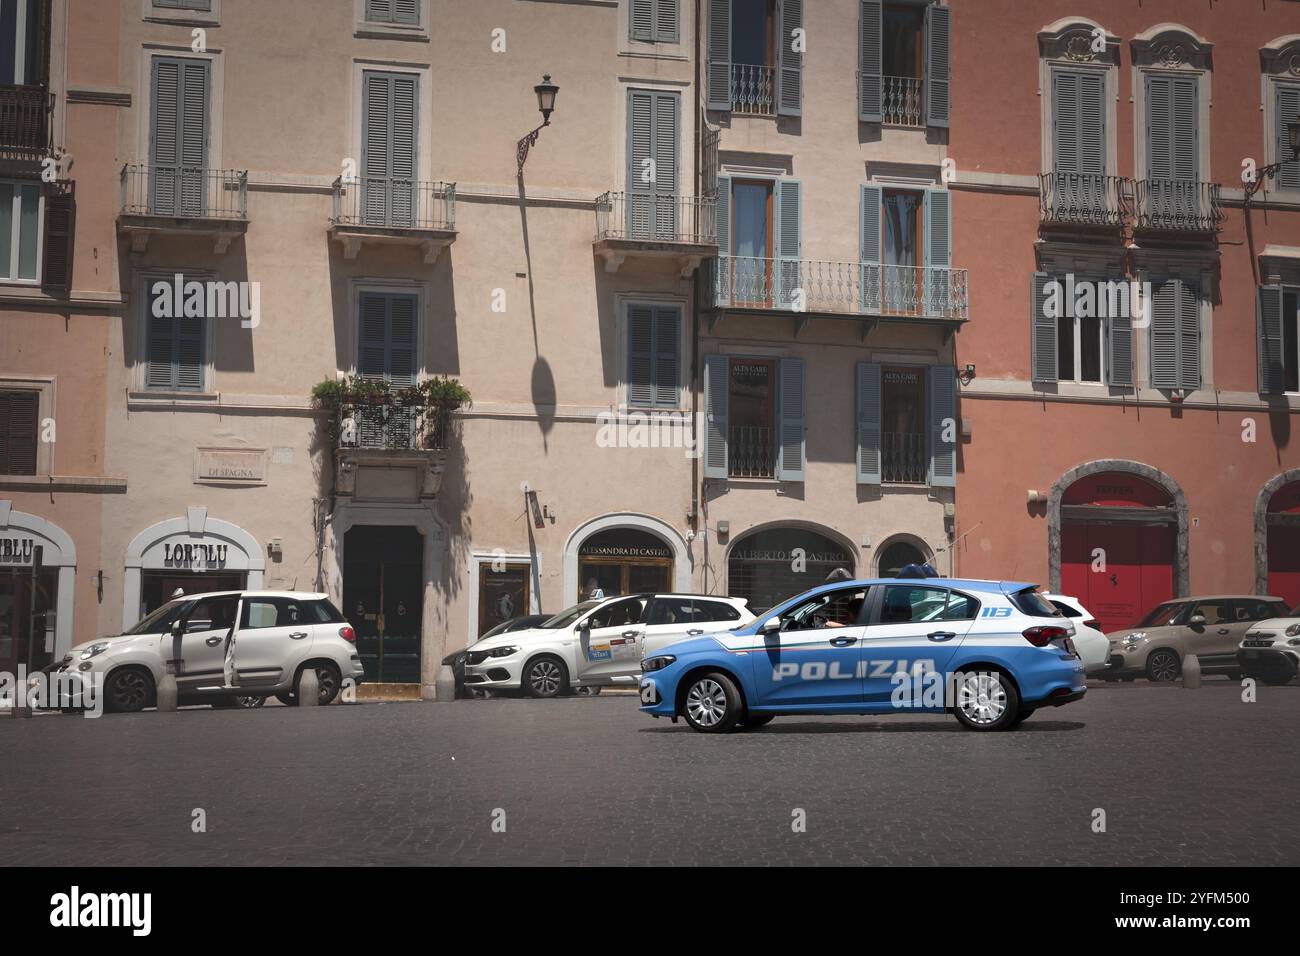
(250,701)
(1163,666)
(328,679)
(546,677)
(752,721)
(128,690)
(712,704)
(986,700)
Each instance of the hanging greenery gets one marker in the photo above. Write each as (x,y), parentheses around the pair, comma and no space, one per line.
(387,415)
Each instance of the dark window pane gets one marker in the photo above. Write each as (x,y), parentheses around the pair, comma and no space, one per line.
(1090,350)
(1065,348)
(749,26)
(1291,340)
(903,26)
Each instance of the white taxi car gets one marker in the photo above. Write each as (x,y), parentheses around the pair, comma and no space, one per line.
(596,643)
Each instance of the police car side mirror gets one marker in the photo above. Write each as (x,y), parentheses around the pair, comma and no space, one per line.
(770,626)
(1197,620)
(178,627)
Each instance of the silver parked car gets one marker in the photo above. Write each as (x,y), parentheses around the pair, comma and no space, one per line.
(272,637)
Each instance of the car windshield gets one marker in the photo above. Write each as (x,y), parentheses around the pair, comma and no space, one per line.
(568,616)
(161,619)
(1163,616)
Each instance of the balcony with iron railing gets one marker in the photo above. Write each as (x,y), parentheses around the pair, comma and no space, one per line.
(371,210)
(904,458)
(903,101)
(183,200)
(1083,199)
(863,289)
(655,226)
(25,120)
(1172,205)
(385,440)
(751,451)
(753,89)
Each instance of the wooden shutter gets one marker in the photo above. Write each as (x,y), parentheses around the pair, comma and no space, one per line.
(789,63)
(389,152)
(870,250)
(60,233)
(379,11)
(189,353)
(1270,340)
(868,423)
(788,239)
(667,356)
(1078,122)
(372,351)
(937,282)
(404,133)
(718,81)
(402,338)
(1119,345)
(1164,334)
(652,147)
(193,133)
(943,421)
(164,146)
(179,137)
(1287,111)
(19,424)
(406,12)
(1042,331)
(871,88)
(716,369)
(640,356)
(1189,335)
(160,369)
(643,20)
(790,417)
(938,69)
(667,21)
(722,230)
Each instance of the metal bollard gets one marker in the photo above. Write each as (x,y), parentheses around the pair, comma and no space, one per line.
(167,694)
(444,688)
(1191,672)
(308,688)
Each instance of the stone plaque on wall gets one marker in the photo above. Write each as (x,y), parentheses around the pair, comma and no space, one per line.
(239,466)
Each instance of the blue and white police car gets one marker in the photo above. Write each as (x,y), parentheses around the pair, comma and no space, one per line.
(989,652)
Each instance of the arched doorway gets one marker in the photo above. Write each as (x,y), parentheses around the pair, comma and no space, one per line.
(1119,535)
(1280,573)
(38,564)
(623,561)
(771,564)
(897,553)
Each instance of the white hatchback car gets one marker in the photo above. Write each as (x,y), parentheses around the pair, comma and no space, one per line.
(1089,640)
(226,645)
(597,643)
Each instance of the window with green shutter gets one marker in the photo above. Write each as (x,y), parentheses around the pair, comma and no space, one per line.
(1079,185)
(204,6)
(653,121)
(388,327)
(1175,337)
(653,356)
(19,424)
(389,149)
(655,21)
(175,344)
(178,137)
(20,229)
(403,12)
(1277,316)
(1286,109)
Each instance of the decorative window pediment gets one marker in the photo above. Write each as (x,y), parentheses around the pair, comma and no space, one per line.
(1172,47)
(1281,57)
(1076,40)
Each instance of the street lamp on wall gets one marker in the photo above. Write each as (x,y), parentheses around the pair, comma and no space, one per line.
(1271,170)
(546,93)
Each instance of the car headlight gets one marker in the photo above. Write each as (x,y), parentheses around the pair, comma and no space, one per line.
(657,663)
(1293,630)
(94,650)
(1294,642)
(502,651)
(1134,638)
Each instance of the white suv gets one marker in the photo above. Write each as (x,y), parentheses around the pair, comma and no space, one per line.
(597,643)
(226,645)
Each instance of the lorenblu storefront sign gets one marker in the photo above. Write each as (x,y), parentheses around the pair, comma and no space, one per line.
(192,556)
(17,551)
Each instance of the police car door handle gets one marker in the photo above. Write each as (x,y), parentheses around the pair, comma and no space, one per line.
(695,630)
(298,635)
(941,635)
(843,641)
(630,634)
(213,641)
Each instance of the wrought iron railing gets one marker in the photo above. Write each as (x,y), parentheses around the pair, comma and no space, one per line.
(395,427)
(751,451)
(394,204)
(904,102)
(904,457)
(848,288)
(25,118)
(1178,205)
(656,217)
(753,89)
(184,192)
(1082,199)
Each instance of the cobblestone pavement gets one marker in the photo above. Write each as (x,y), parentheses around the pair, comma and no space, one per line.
(1184,777)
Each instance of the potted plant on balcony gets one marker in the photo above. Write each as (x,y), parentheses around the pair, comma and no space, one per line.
(374,413)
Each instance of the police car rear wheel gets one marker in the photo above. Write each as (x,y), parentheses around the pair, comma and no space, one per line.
(986,701)
(712,704)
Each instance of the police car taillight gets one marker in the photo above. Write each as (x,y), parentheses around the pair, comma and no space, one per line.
(1043,634)
(348,634)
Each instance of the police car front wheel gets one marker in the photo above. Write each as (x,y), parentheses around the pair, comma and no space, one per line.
(712,704)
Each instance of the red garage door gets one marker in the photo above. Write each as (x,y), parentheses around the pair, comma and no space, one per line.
(1284,543)
(1118,539)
